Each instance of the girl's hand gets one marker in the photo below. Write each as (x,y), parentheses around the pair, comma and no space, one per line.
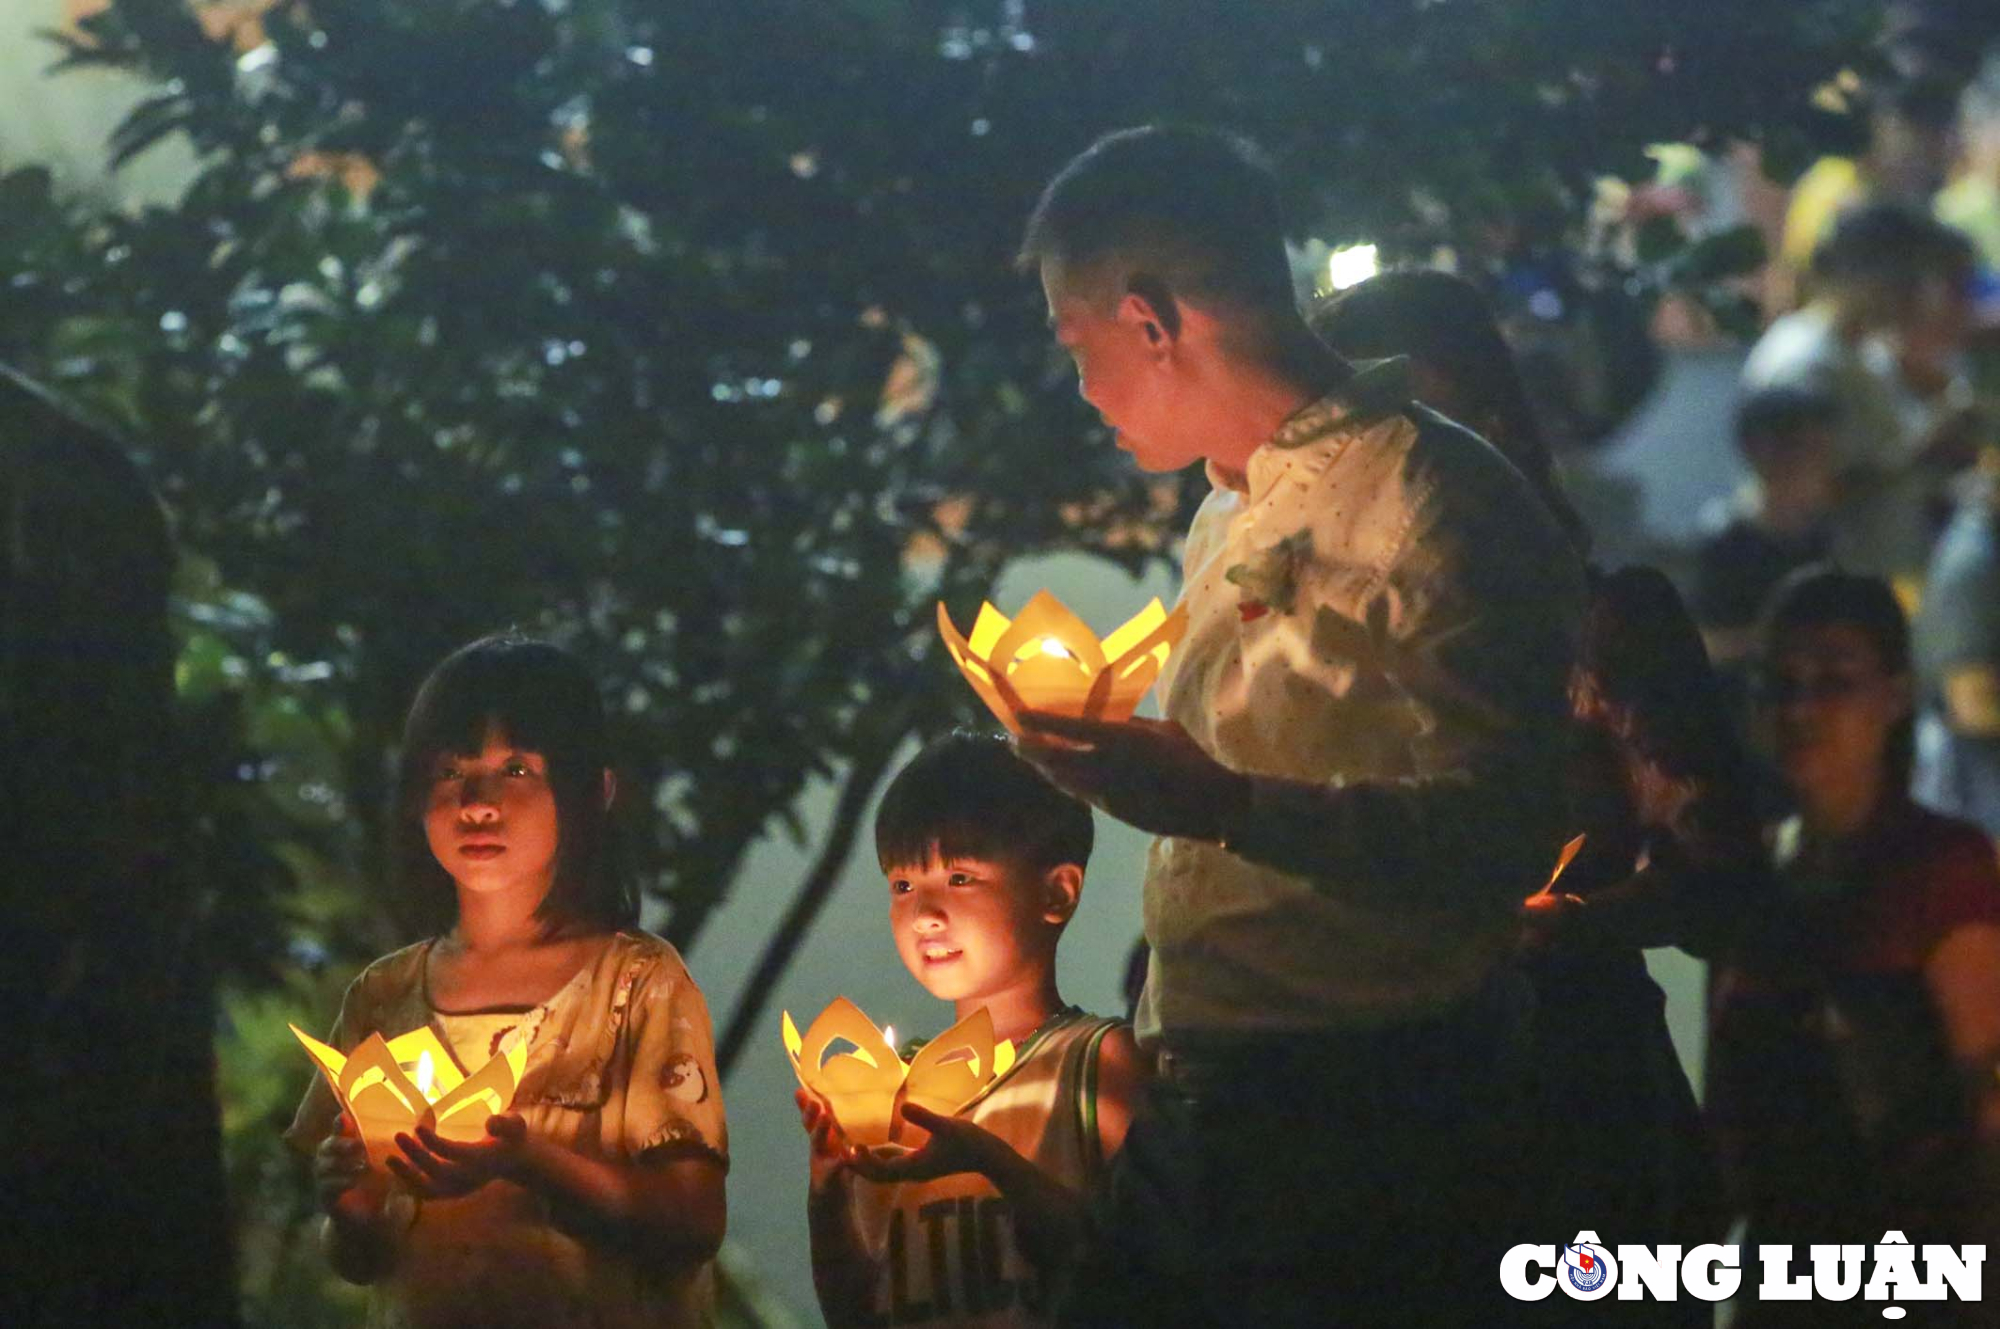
(1548,918)
(830,1151)
(441,1169)
(955,1146)
(347,1189)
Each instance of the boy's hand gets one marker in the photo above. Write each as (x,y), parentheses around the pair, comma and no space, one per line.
(441,1169)
(955,1146)
(347,1189)
(830,1150)
(1147,773)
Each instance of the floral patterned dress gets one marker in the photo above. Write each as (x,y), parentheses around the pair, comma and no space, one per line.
(620,1065)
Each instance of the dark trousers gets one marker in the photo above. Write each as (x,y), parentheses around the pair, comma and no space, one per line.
(1369,1180)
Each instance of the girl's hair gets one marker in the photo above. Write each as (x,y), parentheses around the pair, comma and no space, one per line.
(1443,321)
(1644,675)
(1820,597)
(541,698)
(1643,682)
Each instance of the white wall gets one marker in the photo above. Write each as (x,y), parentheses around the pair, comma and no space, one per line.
(64,122)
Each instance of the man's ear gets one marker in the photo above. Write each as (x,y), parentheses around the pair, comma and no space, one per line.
(1062,887)
(610,786)
(1150,304)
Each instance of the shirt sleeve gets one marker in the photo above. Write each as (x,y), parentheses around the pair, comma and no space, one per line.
(318,1109)
(1961,886)
(673,1102)
(1959,625)
(1478,616)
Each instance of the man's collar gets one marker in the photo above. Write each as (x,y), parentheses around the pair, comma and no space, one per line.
(1377,390)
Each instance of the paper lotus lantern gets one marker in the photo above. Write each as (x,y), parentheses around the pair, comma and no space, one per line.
(384,1101)
(1047,659)
(867,1087)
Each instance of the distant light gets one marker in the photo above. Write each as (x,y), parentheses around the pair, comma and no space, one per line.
(1351,266)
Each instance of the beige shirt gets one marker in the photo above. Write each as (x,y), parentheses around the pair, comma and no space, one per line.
(1383,617)
(943,1251)
(620,1065)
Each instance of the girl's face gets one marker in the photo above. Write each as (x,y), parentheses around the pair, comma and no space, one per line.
(1833,705)
(491,817)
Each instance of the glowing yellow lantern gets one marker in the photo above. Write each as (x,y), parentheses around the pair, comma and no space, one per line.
(384,1101)
(1047,659)
(867,1087)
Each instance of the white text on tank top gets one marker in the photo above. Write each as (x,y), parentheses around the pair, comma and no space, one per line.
(944,1250)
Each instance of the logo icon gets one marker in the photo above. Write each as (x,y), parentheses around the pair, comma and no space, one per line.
(1586,1266)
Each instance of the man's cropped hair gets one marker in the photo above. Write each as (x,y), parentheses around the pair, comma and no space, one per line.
(1171,210)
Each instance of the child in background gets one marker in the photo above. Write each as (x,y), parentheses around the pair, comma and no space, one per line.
(1777,522)
(597,1199)
(985,861)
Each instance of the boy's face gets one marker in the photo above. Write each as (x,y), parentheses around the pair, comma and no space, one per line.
(1796,469)
(968,928)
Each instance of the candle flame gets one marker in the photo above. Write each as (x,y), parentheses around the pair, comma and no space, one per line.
(426,1078)
(889,1034)
(1055,649)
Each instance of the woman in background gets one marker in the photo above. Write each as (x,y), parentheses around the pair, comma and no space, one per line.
(1853,1050)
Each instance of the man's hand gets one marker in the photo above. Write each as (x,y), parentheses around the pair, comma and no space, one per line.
(829,1149)
(1147,773)
(347,1190)
(441,1169)
(955,1146)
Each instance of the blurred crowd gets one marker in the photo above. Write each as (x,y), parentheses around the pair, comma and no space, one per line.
(1801,708)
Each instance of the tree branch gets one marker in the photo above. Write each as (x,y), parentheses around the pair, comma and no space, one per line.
(859,787)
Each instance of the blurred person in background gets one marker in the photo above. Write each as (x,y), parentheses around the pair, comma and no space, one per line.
(1854,1036)
(1882,339)
(1776,522)
(1972,201)
(1958,660)
(1460,366)
(1907,128)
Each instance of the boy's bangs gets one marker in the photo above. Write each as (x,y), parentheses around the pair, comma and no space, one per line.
(946,840)
(969,795)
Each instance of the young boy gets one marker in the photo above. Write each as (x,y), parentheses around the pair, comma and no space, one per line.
(985,863)
(1778,521)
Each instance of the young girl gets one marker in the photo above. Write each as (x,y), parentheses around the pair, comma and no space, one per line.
(597,1199)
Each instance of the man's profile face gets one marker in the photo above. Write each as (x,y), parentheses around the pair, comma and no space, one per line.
(1122,371)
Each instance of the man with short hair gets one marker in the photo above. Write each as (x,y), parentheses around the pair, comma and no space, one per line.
(1359,779)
